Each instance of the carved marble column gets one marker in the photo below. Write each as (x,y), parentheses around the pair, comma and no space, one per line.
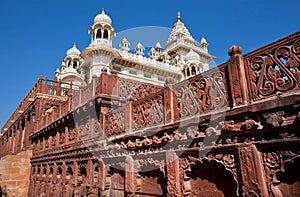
(173,177)
(252,172)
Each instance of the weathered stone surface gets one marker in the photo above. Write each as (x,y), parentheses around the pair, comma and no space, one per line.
(15,173)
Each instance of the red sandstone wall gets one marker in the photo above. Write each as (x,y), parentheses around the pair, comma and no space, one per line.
(15,173)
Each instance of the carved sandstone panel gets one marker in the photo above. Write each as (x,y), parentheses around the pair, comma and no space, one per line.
(274,69)
(202,94)
(117,184)
(148,112)
(152,183)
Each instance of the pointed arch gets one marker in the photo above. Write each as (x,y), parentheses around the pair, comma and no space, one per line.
(105,34)
(98,34)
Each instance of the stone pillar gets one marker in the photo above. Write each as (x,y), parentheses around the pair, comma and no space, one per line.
(252,172)
(129,176)
(173,184)
(90,172)
(64,173)
(75,173)
(101,176)
(66,135)
(237,77)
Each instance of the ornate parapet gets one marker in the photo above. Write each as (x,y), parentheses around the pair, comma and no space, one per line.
(238,122)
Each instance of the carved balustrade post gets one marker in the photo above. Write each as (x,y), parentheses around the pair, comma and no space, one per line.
(18,136)
(47,173)
(10,149)
(103,82)
(57,141)
(107,83)
(39,84)
(64,173)
(45,86)
(54,176)
(237,77)
(173,184)
(129,176)
(252,172)
(169,101)
(28,129)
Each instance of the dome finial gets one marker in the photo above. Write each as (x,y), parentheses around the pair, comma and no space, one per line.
(102,10)
(178,16)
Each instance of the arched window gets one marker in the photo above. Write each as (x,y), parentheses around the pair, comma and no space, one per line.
(98,35)
(51,172)
(59,171)
(188,72)
(69,171)
(82,171)
(193,70)
(105,34)
(75,65)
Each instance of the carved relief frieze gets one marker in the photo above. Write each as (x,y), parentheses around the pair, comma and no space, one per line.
(274,163)
(275,118)
(186,162)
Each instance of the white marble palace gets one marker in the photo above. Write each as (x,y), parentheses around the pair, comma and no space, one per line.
(181,58)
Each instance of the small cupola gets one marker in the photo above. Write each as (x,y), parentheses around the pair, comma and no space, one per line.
(102,30)
(69,68)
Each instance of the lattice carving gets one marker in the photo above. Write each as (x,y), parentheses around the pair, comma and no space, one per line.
(114,121)
(135,90)
(148,112)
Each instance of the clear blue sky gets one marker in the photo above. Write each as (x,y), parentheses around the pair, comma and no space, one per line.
(35,34)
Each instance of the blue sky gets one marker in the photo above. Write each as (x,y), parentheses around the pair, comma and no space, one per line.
(35,34)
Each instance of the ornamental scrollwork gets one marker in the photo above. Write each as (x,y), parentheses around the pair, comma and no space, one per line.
(201,94)
(274,162)
(275,70)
